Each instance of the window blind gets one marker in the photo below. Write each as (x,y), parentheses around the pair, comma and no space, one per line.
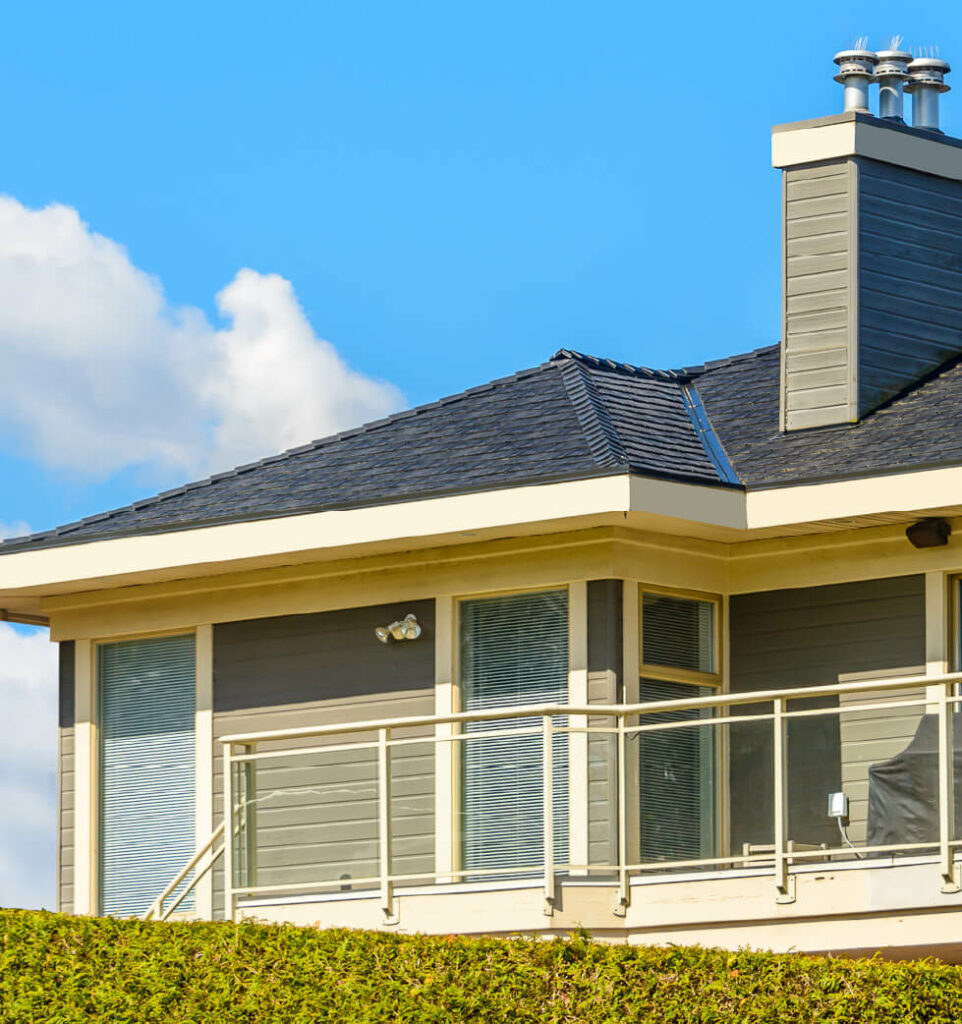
(677,771)
(678,632)
(147,707)
(514,651)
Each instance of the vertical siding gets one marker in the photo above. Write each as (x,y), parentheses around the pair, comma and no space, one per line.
(910,277)
(292,671)
(807,637)
(604,687)
(65,780)
(818,207)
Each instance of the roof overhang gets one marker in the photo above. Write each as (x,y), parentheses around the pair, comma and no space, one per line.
(727,515)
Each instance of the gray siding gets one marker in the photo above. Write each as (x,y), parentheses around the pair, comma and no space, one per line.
(317,815)
(910,277)
(604,687)
(807,637)
(65,780)
(818,263)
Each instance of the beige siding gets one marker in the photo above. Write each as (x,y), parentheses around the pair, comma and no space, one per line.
(316,815)
(604,687)
(65,782)
(818,265)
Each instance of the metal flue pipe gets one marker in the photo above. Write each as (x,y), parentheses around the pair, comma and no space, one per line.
(926,85)
(891,74)
(856,69)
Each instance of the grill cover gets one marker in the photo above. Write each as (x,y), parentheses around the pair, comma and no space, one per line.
(903,792)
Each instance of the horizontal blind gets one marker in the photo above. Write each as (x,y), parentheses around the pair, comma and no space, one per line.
(147,769)
(678,632)
(514,651)
(677,779)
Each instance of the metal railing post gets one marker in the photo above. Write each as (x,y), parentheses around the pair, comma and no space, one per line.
(230,905)
(784,884)
(946,790)
(547,742)
(624,894)
(384,822)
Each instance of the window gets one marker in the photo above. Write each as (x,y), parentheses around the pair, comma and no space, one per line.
(514,651)
(677,766)
(147,707)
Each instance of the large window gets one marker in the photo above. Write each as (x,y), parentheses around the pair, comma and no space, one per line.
(677,766)
(514,651)
(147,708)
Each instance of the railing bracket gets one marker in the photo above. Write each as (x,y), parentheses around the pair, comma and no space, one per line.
(548,909)
(786,894)
(620,909)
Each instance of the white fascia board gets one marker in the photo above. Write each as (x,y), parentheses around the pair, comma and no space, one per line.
(715,506)
(805,143)
(842,499)
(234,543)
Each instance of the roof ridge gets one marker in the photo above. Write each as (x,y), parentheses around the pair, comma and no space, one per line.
(594,416)
(610,364)
(310,446)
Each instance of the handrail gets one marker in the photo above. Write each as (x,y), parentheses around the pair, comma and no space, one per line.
(942,700)
(596,710)
(156,908)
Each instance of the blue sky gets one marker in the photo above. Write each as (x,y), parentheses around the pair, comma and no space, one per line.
(447,193)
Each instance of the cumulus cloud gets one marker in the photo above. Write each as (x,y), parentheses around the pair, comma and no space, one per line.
(17,529)
(101,372)
(28,758)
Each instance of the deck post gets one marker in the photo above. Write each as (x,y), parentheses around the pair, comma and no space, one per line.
(784,884)
(547,759)
(624,894)
(230,906)
(950,883)
(384,823)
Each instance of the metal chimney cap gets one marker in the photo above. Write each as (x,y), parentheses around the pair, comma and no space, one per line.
(893,63)
(928,72)
(855,63)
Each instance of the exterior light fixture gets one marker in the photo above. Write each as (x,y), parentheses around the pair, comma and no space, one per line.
(407,628)
(929,533)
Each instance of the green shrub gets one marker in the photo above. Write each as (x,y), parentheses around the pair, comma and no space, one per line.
(65,969)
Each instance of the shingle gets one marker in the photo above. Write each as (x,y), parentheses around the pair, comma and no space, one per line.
(573,417)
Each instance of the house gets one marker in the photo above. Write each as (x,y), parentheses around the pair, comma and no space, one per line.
(668,654)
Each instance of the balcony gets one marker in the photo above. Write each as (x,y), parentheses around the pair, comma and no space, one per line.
(705,819)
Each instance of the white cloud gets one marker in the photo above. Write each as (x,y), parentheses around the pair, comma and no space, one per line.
(16,529)
(28,764)
(101,372)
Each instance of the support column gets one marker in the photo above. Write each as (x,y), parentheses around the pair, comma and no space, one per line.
(204,763)
(87,765)
(446,853)
(578,741)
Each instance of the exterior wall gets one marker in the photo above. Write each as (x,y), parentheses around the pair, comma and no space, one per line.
(605,686)
(910,281)
(808,637)
(871,285)
(818,263)
(326,668)
(65,780)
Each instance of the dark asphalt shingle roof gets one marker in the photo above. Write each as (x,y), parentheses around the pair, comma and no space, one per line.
(573,417)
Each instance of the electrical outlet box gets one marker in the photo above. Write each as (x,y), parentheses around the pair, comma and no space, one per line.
(838,806)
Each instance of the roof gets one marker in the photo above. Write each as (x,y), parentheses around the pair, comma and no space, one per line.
(573,417)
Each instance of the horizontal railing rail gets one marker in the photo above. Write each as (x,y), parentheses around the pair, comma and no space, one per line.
(378,739)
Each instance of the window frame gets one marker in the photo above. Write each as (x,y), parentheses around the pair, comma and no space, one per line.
(667,673)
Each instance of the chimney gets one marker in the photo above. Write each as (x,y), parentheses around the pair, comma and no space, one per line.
(872,242)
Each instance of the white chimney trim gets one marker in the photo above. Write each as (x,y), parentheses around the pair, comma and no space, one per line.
(833,138)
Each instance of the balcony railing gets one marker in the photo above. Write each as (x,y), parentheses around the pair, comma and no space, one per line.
(734,781)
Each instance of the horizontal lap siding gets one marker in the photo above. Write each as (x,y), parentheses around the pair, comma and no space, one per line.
(910,277)
(65,781)
(818,254)
(317,815)
(807,637)
(604,687)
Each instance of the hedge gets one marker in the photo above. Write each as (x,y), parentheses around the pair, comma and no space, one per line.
(64,969)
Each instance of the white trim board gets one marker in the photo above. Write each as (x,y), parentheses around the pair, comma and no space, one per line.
(218,549)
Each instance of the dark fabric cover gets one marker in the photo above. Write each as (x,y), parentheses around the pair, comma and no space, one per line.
(903,792)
